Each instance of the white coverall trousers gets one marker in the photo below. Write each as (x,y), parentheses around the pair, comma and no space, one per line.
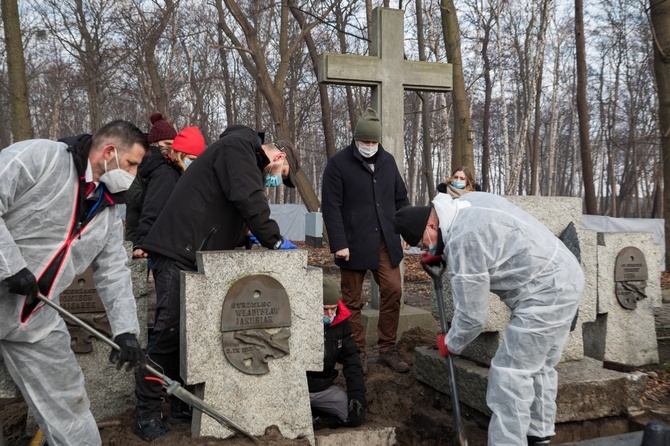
(52,383)
(523,380)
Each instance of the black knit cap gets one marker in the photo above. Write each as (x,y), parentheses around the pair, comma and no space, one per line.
(410,222)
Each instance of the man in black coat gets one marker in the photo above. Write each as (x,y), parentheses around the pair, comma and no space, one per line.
(214,204)
(362,190)
(345,407)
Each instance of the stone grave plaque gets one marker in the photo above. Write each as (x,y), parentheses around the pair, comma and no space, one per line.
(81,296)
(252,305)
(630,277)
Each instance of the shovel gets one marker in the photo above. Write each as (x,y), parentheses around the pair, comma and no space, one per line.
(171,387)
(437,283)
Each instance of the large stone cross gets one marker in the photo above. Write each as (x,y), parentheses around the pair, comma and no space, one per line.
(388,73)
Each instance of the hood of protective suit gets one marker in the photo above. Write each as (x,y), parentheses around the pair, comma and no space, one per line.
(447,209)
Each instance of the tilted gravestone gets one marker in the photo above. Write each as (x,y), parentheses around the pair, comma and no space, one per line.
(555,213)
(251,328)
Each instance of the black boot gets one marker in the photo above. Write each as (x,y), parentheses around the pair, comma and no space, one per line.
(151,429)
(538,441)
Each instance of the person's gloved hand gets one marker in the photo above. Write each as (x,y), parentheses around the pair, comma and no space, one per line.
(287,244)
(356,415)
(442,345)
(24,283)
(253,239)
(431,259)
(131,352)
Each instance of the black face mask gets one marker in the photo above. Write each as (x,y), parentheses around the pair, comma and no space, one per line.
(440,243)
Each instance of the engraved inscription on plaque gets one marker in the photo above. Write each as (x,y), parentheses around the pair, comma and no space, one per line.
(81,296)
(255,322)
(630,277)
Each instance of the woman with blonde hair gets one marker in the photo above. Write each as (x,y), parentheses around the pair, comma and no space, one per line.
(460,182)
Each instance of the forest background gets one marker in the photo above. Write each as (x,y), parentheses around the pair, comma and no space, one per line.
(551,97)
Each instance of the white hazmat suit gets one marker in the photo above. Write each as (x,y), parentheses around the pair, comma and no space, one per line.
(490,244)
(38,192)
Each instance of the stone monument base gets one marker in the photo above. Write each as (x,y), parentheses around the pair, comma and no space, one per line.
(410,317)
(586,391)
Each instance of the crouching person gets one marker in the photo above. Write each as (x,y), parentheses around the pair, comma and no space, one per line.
(332,406)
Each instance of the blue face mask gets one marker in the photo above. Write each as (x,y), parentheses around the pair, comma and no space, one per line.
(187,162)
(273,180)
(329,320)
(432,247)
(458,184)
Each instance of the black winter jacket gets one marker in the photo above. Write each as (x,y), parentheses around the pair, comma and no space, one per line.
(359,205)
(340,348)
(160,175)
(217,198)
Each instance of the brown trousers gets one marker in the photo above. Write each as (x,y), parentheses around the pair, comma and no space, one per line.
(390,293)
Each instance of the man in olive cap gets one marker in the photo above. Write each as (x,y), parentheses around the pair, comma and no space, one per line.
(362,190)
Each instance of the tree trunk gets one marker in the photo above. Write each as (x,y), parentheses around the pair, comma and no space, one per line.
(583,113)
(486,118)
(660,22)
(427,148)
(326,114)
(462,142)
(16,69)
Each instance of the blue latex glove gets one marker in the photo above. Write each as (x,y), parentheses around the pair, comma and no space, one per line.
(287,244)
(253,239)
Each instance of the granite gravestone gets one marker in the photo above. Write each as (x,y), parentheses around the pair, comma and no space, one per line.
(251,327)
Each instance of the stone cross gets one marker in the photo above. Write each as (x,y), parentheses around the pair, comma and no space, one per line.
(388,73)
(251,326)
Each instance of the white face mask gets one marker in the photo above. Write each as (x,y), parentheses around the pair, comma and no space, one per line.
(366,150)
(117,180)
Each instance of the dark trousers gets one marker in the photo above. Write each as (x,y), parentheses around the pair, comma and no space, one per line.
(390,293)
(163,346)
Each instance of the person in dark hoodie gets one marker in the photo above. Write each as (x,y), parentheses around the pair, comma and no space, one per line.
(58,215)
(338,406)
(160,136)
(160,173)
(216,201)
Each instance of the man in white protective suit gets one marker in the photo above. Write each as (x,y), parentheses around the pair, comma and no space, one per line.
(491,245)
(58,215)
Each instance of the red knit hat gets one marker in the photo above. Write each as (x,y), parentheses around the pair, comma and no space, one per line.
(189,141)
(160,129)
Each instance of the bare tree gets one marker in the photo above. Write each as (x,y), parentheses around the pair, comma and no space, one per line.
(16,70)
(660,23)
(462,141)
(582,109)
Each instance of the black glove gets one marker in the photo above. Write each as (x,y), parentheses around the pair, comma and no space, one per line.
(356,413)
(131,352)
(24,283)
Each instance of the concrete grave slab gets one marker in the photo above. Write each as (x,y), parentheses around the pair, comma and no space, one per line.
(254,401)
(377,436)
(586,391)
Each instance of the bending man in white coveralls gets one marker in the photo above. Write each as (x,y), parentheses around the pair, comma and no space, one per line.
(491,245)
(52,227)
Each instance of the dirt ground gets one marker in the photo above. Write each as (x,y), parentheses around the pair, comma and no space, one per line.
(421,415)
